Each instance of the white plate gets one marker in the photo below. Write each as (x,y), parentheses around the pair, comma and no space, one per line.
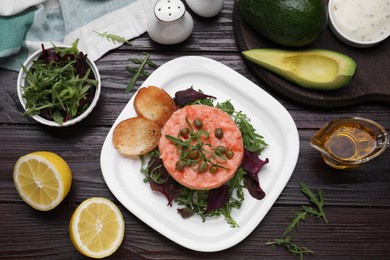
(268,116)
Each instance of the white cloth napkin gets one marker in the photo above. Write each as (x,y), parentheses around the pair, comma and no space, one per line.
(26,24)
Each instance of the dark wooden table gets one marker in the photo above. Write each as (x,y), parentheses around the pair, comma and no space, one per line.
(357,201)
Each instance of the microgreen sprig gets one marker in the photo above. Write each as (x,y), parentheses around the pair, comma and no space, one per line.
(290,245)
(317,200)
(113,37)
(253,142)
(139,71)
(194,153)
(195,201)
(294,224)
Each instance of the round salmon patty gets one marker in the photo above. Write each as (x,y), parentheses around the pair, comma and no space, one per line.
(212,118)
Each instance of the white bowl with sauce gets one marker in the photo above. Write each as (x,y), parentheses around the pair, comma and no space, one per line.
(360,23)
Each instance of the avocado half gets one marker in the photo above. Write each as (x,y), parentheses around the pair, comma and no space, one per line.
(314,69)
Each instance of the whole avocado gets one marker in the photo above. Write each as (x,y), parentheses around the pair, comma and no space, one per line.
(292,23)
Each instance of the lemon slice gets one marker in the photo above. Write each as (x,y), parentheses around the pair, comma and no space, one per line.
(42,179)
(97,228)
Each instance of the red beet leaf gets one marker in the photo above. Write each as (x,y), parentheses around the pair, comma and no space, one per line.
(169,187)
(188,96)
(217,198)
(252,165)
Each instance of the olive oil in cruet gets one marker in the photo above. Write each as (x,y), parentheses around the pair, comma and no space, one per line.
(348,142)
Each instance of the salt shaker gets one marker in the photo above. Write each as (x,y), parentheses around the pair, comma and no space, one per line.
(171,23)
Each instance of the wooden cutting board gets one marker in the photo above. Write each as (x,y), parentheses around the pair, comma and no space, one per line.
(371,82)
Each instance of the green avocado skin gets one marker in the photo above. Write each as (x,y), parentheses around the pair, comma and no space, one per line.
(292,23)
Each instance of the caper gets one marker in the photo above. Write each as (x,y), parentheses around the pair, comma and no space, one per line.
(229,153)
(198,123)
(180,165)
(194,154)
(202,167)
(219,150)
(213,169)
(218,133)
(184,132)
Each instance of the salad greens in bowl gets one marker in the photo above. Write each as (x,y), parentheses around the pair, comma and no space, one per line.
(58,86)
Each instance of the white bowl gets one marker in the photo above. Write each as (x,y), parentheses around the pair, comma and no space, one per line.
(352,14)
(21,83)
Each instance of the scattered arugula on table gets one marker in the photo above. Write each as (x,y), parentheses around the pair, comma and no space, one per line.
(113,37)
(139,71)
(286,240)
(215,202)
(290,245)
(317,200)
(59,85)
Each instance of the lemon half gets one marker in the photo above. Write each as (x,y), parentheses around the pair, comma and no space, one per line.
(97,227)
(42,179)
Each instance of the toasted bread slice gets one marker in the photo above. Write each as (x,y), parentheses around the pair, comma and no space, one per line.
(136,136)
(155,104)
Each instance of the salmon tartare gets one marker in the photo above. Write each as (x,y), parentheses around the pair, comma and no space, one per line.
(201,147)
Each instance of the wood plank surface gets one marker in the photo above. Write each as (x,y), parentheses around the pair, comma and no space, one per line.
(357,201)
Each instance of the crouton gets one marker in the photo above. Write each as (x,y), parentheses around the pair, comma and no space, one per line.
(155,104)
(136,136)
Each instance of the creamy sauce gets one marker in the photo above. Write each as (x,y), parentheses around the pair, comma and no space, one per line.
(363,20)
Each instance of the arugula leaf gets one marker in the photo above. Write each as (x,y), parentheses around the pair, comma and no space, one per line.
(318,201)
(73,50)
(139,71)
(134,71)
(253,141)
(148,62)
(299,216)
(290,245)
(114,38)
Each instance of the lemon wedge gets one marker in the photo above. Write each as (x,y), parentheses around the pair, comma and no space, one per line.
(97,228)
(42,179)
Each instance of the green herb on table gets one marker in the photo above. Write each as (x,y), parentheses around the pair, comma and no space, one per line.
(286,240)
(60,84)
(139,71)
(317,200)
(113,38)
(290,245)
(294,224)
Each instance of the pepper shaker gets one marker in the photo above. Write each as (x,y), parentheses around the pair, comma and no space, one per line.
(171,23)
